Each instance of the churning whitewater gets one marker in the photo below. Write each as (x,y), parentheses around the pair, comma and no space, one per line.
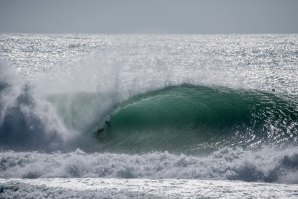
(221,107)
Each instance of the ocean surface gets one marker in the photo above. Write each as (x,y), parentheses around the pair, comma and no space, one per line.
(148,116)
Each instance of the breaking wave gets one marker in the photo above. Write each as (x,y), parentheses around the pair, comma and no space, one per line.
(188,117)
(137,118)
(180,119)
(266,165)
(185,118)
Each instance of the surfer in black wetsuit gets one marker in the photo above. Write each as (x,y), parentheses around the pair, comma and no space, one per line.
(108,123)
(99,131)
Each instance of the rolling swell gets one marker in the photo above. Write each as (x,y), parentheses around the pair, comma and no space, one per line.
(194,118)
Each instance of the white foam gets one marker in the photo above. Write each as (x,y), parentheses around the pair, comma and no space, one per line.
(26,121)
(141,188)
(266,165)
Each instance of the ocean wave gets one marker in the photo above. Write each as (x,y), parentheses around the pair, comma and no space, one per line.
(184,118)
(148,104)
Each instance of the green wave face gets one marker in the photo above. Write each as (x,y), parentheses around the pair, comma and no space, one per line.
(194,118)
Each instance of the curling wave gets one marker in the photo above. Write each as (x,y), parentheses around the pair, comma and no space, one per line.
(185,118)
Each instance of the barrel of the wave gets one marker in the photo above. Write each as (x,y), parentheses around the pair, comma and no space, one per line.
(195,119)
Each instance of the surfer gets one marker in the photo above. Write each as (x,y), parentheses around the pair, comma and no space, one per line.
(99,131)
(108,123)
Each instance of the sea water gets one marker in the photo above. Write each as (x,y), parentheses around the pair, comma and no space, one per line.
(180,116)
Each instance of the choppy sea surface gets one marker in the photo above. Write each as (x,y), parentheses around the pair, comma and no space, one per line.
(148,116)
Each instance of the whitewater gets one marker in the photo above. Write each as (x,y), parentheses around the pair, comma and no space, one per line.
(148,116)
